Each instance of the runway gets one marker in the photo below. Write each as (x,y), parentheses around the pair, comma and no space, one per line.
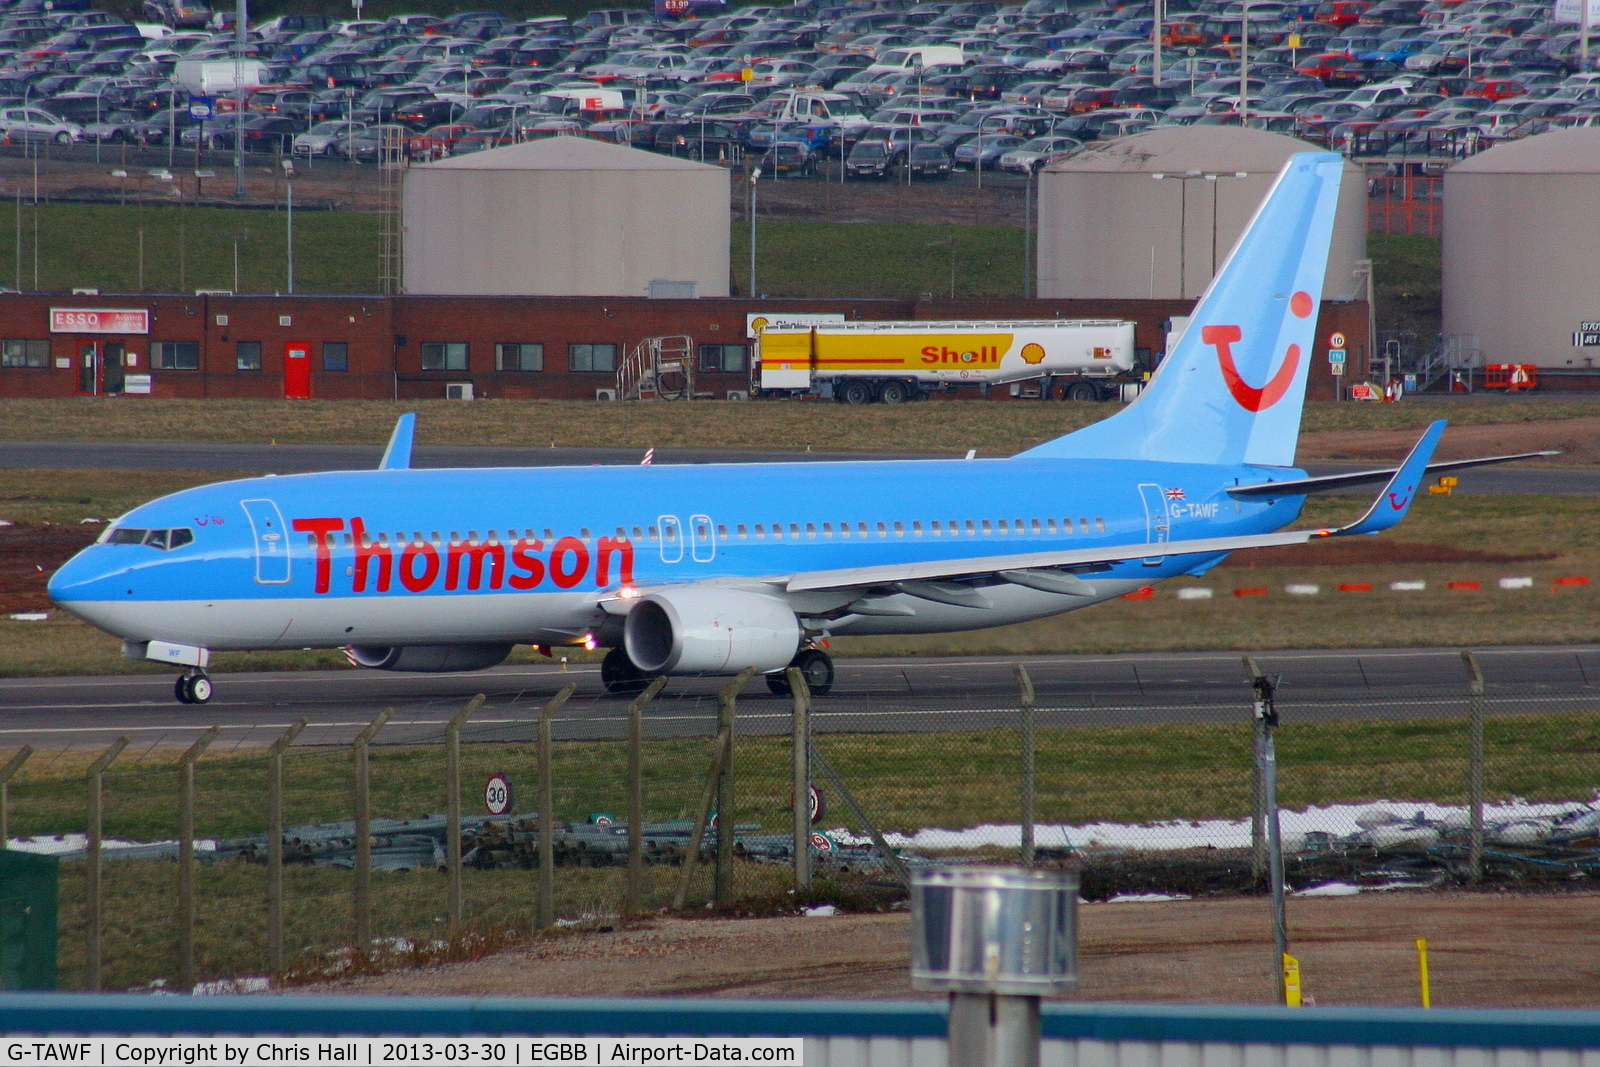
(872,695)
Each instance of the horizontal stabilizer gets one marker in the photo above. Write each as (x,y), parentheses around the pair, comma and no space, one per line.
(1328,483)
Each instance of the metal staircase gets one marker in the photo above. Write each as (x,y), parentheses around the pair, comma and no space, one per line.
(658,368)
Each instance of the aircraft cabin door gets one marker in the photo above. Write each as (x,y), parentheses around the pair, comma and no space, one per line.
(702,539)
(671,539)
(1158,521)
(297,370)
(272,541)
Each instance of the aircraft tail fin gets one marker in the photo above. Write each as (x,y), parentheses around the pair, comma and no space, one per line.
(397,457)
(1232,389)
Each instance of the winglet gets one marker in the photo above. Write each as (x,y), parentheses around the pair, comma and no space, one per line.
(397,457)
(1395,500)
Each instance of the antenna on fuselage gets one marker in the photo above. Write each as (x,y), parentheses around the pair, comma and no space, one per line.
(397,457)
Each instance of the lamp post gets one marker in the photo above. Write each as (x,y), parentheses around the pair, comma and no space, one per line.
(755,176)
(288,180)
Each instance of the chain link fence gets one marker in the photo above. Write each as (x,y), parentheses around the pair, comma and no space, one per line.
(311,857)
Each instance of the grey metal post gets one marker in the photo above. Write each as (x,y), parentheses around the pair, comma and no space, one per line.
(241,38)
(1475,761)
(1025,728)
(363,830)
(452,810)
(727,703)
(186,971)
(986,1030)
(800,780)
(9,771)
(546,916)
(1266,715)
(275,844)
(636,794)
(96,778)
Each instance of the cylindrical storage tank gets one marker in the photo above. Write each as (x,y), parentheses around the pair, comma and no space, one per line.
(565,216)
(1520,233)
(1108,227)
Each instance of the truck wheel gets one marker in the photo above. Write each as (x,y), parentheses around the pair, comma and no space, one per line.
(1083,391)
(856,392)
(894,393)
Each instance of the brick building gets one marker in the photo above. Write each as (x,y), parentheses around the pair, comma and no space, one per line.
(383,347)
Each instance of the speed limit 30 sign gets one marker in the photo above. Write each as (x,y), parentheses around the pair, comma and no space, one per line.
(498,796)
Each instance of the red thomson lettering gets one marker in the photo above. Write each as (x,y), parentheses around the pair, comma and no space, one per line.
(561,575)
(368,552)
(523,559)
(322,531)
(623,549)
(418,583)
(475,553)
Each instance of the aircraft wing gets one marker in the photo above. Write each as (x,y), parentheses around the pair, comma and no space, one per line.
(1051,570)
(1333,482)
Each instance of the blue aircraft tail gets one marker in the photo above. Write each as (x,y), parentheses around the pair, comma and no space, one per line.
(1232,389)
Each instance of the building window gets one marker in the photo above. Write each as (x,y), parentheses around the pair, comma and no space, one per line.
(601,357)
(336,355)
(175,355)
(730,358)
(444,355)
(518,357)
(247,355)
(19,353)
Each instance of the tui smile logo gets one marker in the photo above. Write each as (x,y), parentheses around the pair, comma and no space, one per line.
(1250,397)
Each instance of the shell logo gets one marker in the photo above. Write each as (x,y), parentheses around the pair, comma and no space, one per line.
(1032,353)
(758,324)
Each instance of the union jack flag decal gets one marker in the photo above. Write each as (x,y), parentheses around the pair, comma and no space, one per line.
(1175,494)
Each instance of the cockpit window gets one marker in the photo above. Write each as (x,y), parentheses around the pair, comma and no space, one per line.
(162,539)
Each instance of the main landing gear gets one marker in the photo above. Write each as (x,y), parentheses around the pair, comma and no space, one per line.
(193,687)
(815,666)
(619,676)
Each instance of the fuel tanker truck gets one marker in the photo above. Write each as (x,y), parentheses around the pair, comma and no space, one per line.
(895,362)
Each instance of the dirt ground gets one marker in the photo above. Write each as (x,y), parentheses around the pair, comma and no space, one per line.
(1485,950)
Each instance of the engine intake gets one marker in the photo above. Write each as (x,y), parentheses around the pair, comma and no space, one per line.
(699,630)
(429,659)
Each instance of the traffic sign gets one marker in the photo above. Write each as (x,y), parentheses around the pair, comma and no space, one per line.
(1336,356)
(1336,340)
(202,107)
(498,795)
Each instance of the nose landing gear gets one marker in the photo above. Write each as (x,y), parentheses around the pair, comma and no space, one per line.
(192,687)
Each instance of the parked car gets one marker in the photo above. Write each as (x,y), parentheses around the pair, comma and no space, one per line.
(323,139)
(788,157)
(868,159)
(36,124)
(926,161)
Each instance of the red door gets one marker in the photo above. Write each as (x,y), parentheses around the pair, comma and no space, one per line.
(297,370)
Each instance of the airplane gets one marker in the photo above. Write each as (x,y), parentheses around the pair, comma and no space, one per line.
(711,569)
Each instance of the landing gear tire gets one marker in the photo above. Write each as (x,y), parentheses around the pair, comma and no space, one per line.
(856,392)
(815,666)
(192,687)
(1083,391)
(895,393)
(619,676)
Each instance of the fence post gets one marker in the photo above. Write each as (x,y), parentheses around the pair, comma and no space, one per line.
(1474,766)
(800,782)
(9,771)
(186,975)
(697,836)
(96,778)
(636,794)
(363,830)
(546,915)
(452,810)
(727,703)
(275,844)
(1025,727)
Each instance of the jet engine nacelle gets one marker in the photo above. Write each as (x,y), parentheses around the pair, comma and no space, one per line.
(429,659)
(699,630)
